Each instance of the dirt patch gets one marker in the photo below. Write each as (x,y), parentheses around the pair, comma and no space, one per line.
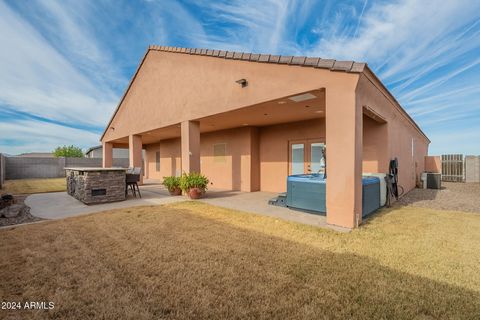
(453,196)
(23,217)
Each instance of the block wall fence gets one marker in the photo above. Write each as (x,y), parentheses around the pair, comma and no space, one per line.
(2,169)
(31,167)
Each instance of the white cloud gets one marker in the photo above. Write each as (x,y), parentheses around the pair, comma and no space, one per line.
(258,26)
(31,136)
(37,79)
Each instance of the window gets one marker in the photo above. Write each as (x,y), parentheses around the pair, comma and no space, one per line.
(298,153)
(219,152)
(317,160)
(157,161)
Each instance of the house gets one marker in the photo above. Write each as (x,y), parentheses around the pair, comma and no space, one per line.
(247,121)
(97,152)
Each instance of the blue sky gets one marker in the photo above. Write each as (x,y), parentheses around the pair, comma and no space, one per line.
(65,64)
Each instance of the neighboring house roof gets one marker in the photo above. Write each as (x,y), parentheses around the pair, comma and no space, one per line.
(36,154)
(314,62)
(93,148)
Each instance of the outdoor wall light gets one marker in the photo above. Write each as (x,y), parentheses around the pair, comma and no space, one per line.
(112,128)
(242,82)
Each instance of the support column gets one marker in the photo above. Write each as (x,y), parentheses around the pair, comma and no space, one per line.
(135,153)
(190,131)
(146,166)
(254,160)
(344,158)
(107,154)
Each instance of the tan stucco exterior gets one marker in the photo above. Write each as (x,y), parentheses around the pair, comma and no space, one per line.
(188,111)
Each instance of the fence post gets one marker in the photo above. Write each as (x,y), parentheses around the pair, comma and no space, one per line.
(472,168)
(62,163)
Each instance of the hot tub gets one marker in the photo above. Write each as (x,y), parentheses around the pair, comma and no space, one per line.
(308,192)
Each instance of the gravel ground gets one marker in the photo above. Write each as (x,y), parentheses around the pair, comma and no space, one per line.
(23,217)
(452,196)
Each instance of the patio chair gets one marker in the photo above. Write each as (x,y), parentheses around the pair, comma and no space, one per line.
(132,177)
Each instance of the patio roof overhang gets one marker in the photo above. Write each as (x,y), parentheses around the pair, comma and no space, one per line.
(302,106)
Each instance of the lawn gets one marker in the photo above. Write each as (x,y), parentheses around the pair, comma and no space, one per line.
(29,186)
(191,260)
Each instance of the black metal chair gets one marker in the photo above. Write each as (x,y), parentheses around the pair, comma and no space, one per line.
(132,178)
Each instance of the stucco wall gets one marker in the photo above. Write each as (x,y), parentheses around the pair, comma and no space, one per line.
(233,172)
(274,153)
(170,159)
(404,142)
(375,141)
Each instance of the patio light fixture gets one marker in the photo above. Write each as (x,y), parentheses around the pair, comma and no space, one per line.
(242,82)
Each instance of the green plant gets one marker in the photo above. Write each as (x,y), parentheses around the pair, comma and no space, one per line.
(171,183)
(193,180)
(68,152)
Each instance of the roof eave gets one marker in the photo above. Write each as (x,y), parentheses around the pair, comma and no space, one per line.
(369,73)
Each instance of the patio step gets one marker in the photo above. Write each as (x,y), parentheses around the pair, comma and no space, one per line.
(280,200)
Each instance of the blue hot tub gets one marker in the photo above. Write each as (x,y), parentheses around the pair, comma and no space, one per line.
(308,192)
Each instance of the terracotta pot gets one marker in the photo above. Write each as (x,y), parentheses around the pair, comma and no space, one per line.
(195,193)
(175,192)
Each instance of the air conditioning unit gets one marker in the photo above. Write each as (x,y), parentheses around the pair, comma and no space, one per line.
(434,180)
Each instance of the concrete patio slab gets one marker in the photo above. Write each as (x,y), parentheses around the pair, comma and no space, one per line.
(60,205)
(257,202)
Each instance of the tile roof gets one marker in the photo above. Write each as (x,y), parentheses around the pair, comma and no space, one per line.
(334,65)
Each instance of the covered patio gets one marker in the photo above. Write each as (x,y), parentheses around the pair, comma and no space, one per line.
(179,148)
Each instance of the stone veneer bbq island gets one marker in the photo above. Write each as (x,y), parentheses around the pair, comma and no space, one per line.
(96,185)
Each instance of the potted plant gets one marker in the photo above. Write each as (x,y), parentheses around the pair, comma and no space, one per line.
(172,184)
(194,184)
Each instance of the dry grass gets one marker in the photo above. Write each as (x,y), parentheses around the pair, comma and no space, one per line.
(195,261)
(29,186)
